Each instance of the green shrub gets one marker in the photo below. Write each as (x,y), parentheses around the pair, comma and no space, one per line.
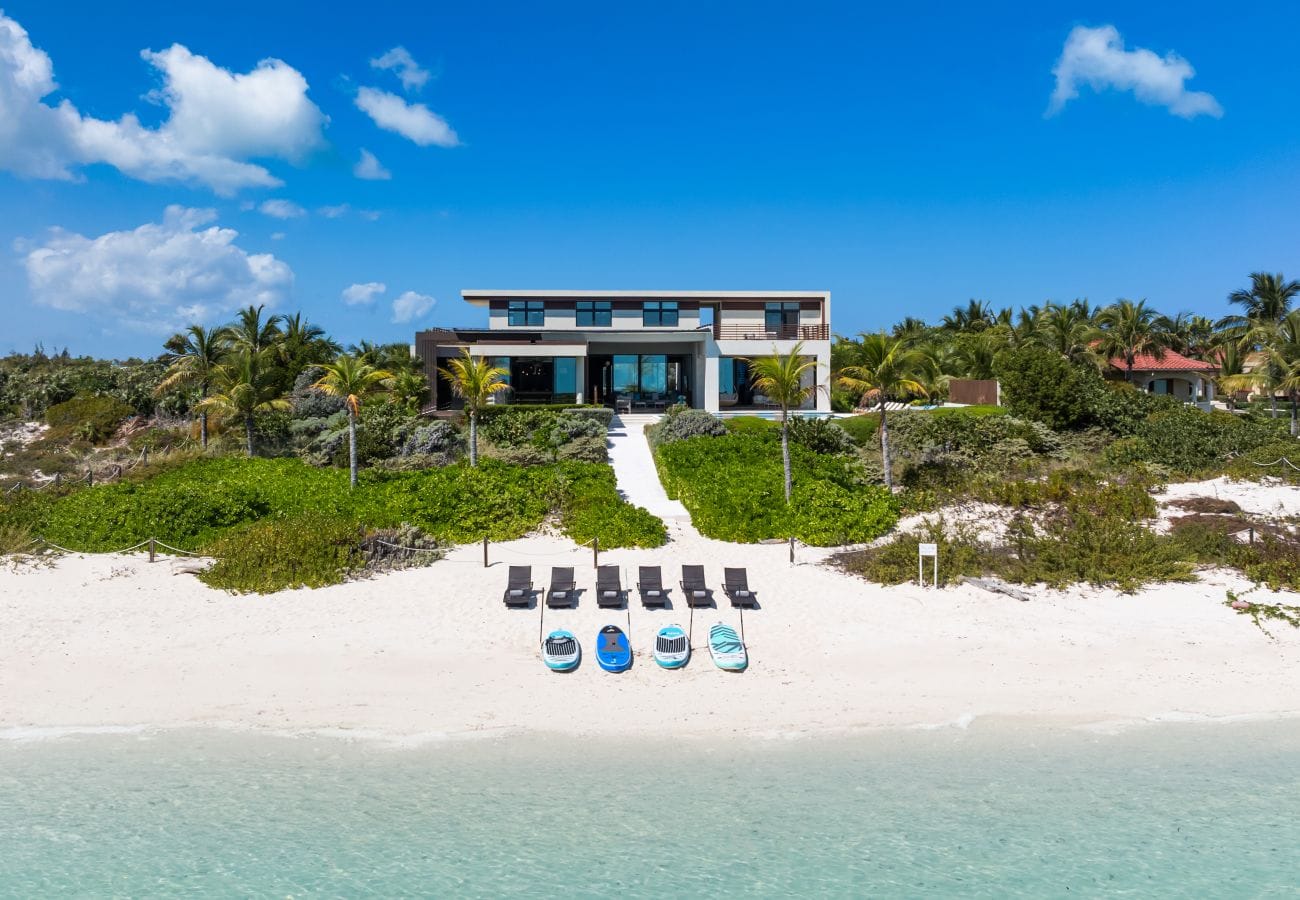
(820,436)
(1090,536)
(754,426)
(592,508)
(1188,441)
(1127,451)
(1266,461)
(733,487)
(94,419)
(602,414)
(1042,385)
(864,429)
(683,424)
(311,550)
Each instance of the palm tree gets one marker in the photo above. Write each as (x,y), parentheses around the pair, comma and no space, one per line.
(1129,330)
(976,315)
(1267,299)
(1068,330)
(889,367)
(244,389)
(474,380)
(250,334)
(1231,369)
(410,390)
(303,344)
(781,378)
(973,356)
(1281,369)
(193,357)
(353,380)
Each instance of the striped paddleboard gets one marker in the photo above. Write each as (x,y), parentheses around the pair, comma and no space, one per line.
(726,648)
(672,647)
(560,651)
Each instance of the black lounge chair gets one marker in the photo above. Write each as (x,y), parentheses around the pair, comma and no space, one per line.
(694,589)
(735,584)
(650,582)
(519,587)
(562,592)
(609,590)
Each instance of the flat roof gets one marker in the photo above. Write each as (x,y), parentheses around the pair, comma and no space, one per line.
(481,297)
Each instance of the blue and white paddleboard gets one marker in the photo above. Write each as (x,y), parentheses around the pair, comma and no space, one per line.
(560,651)
(726,648)
(612,649)
(672,647)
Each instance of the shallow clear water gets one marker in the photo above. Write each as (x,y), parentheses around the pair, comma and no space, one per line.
(1166,811)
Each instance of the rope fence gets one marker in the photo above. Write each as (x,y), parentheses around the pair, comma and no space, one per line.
(1280,460)
(108,474)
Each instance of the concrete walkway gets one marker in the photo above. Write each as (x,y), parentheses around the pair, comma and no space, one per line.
(634,467)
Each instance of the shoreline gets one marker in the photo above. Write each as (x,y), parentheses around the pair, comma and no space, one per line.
(430,655)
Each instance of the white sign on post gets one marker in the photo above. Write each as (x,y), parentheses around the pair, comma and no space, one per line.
(932,551)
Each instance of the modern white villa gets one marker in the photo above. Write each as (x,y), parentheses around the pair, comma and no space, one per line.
(635,349)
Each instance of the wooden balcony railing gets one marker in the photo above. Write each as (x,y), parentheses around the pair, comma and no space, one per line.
(734,331)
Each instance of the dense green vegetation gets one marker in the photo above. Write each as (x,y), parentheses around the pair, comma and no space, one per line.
(262,508)
(733,486)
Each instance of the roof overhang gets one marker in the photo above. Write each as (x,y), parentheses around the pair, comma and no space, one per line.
(483,297)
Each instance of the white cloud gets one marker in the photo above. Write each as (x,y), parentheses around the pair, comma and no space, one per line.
(370,168)
(413,121)
(334,212)
(370,215)
(411,306)
(277,235)
(363,294)
(281,209)
(158,277)
(399,60)
(217,120)
(1096,57)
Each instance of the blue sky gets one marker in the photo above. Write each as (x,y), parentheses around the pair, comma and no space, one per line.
(905,160)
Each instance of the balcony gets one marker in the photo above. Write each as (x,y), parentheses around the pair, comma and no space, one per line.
(757,331)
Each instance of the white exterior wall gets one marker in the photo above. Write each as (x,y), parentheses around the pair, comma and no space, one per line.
(819,350)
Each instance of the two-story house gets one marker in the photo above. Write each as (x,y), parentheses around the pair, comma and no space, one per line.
(636,349)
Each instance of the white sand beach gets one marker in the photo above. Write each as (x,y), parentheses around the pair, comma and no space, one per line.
(429,653)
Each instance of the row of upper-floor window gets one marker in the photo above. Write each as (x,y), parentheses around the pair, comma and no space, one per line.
(654,313)
(593,313)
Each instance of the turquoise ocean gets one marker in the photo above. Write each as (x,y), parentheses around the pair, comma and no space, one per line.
(995,810)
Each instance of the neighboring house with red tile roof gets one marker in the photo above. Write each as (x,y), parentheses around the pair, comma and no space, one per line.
(1187,379)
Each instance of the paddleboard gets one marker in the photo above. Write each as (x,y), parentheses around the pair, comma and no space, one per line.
(613,652)
(672,647)
(726,648)
(560,651)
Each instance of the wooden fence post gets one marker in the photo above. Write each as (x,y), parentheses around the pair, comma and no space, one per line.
(153,549)
(485,545)
(58,479)
(595,552)
(90,478)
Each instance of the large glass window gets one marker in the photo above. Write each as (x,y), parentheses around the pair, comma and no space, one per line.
(626,374)
(526,312)
(659,312)
(566,375)
(501,362)
(775,315)
(654,374)
(594,313)
(726,375)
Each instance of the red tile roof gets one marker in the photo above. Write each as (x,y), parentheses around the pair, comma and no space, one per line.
(1170,362)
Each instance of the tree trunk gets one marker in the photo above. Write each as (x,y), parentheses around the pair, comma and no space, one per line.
(1295,424)
(884,447)
(473,438)
(1272,399)
(248,435)
(352,448)
(203,430)
(785,453)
